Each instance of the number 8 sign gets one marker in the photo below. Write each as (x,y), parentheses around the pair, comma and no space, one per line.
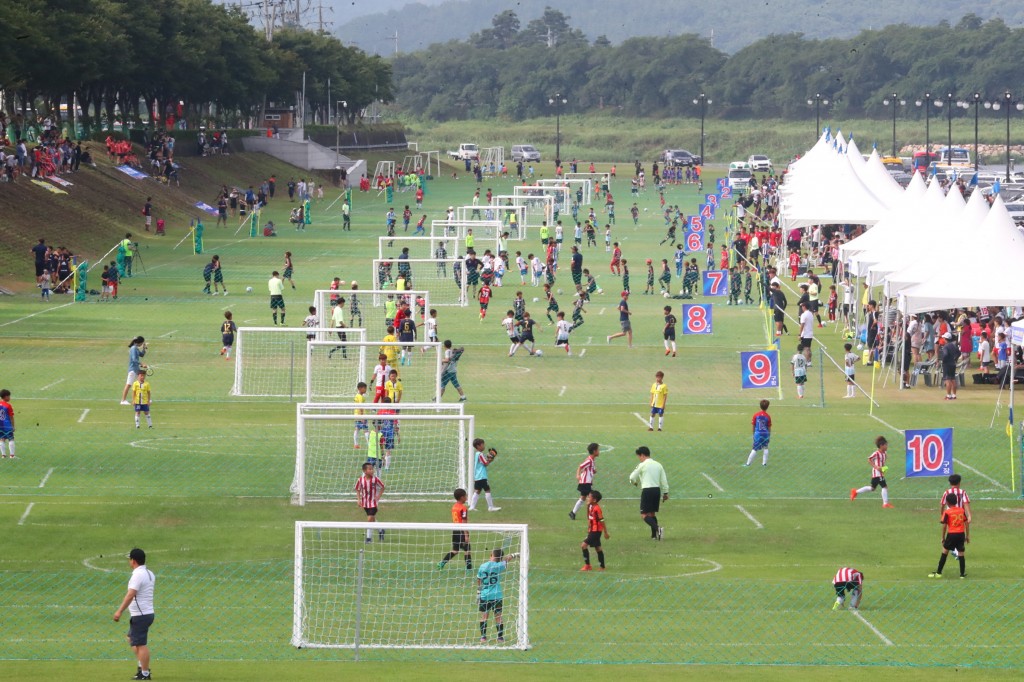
(760,369)
(716,282)
(929,452)
(697,318)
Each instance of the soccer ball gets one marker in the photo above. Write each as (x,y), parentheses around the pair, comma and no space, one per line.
(645,209)
(538,353)
(600,291)
(559,292)
(860,346)
(665,294)
(535,299)
(248,290)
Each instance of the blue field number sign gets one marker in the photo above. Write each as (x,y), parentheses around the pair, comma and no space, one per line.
(697,318)
(716,282)
(760,368)
(929,452)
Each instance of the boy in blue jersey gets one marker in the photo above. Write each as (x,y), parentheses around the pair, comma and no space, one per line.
(488,580)
(762,427)
(481,461)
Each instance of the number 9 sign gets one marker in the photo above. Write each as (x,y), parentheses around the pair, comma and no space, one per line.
(760,369)
(929,452)
(694,241)
(697,318)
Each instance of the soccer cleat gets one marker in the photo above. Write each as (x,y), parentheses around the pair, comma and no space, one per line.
(673,353)
(661,532)
(572,515)
(887,505)
(587,567)
(493,509)
(853,493)
(223,351)
(659,428)
(143,676)
(934,575)
(963,576)
(462,399)
(667,352)
(440,565)
(369,541)
(125,402)
(501,640)
(836,604)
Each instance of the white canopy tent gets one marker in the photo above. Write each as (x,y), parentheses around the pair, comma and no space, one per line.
(915,200)
(878,179)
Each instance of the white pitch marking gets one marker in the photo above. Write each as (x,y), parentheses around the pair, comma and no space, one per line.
(642,420)
(164,336)
(713,482)
(51,385)
(602,312)
(21,521)
(987,478)
(583,352)
(85,413)
(1016,511)
(886,423)
(46,477)
(885,640)
(750,516)
(21,319)
(562,392)
(589,339)
(87,562)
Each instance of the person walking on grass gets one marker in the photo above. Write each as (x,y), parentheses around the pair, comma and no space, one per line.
(649,475)
(624,322)
(136,351)
(139,602)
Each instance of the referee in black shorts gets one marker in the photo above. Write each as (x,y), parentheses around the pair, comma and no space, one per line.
(650,476)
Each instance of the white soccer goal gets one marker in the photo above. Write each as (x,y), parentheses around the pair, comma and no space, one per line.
(530,193)
(384,169)
(427,459)
(350,593)
(368,309)
(485,232)
(575,184)
(412,163)
(602,181)
(332,369)
(445,279)
(491,160)
(538,209)
(420,247)
(271,361)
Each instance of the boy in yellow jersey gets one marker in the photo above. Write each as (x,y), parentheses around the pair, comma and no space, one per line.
(389,348)
(659,396)
(360,398)
(142,397)
(393,387)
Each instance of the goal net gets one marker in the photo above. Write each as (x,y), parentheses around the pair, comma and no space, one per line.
(492,159)
(333,369)
(443,278)
(535,210)
(485,232)
(270,361)
(425,447)
(602,181)
(387,592)
(421,247)
(370,309)
(581,188)
(561,196)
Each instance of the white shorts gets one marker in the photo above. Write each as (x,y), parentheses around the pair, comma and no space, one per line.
(132,376)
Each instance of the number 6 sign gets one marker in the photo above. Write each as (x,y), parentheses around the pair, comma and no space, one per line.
(716,282)
(694,242)
(760,368)
(696,318)
(929,452)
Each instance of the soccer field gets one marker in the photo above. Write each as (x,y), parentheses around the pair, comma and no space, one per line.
(742,577)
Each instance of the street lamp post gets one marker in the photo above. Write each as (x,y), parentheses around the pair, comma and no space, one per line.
(703,101)
(817,102)
(895,101)
(557,101)
(1007,101)
(949,128)
(337,130)
(926,102)
(966,104)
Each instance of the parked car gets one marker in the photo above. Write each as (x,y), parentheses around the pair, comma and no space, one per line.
(467,151)
(760,163)
(739,177)
(680,157)
(525,153)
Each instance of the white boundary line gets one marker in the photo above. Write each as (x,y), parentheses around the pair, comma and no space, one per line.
(750,516)
(21,319)
(642,420)
(713,482)
(46,477)
(85,413)
(21,521)
(993,481)
(583,352)
(164,336)
(58,381)
(885,640)
(562,392)
(882,421)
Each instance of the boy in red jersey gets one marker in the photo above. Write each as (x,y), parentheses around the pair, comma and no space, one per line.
(848,580)
(956,533)
(878,469)
(460,538)
(595,527)
(484,298)
(585,477)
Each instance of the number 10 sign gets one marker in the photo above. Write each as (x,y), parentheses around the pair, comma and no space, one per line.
(929,452)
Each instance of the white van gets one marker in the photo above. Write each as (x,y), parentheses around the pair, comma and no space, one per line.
(739,176)
(525,153)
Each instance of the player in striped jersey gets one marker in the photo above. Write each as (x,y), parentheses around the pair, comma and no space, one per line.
(963,500)
(368,491)
(878,469)
(956,533)
(460,538)
(585,477)
(848,579)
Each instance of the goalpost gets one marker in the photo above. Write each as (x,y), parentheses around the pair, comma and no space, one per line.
(491,160)
(531,193)
(602,181)
(537,209)
(385,169)
(428,457)
(487,230)
(420,247)
(332,369)
(585,185)
(412,163)
(354,593)
(368,309)
(269,361)
(444,278)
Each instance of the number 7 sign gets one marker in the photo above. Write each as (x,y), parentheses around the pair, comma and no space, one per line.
(716,282)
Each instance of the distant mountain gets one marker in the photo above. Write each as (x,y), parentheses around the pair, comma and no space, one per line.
(730,26)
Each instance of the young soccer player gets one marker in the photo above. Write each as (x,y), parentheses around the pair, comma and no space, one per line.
(381,372)
(460,538)
(6,425)
(562,329)
(595,527)
(483,460)
(878,469)
(484,298)
(799,363)
(512,329)
(406,337)
(848,580)
(227,335)
(585,477)
(431,325)
(761,424)
(649,289)
(659,396)
(393,387)
(963,500)
(488,581)
(311,322)
(388,427)
(956,532)
(670,331)
(142,398)
(288,269)
(368,491)
(850,369)
(552,303)
(360,425)
(526,332)
(389,345)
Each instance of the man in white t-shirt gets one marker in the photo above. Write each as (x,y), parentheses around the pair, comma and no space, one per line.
(139,602)
(806,330)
